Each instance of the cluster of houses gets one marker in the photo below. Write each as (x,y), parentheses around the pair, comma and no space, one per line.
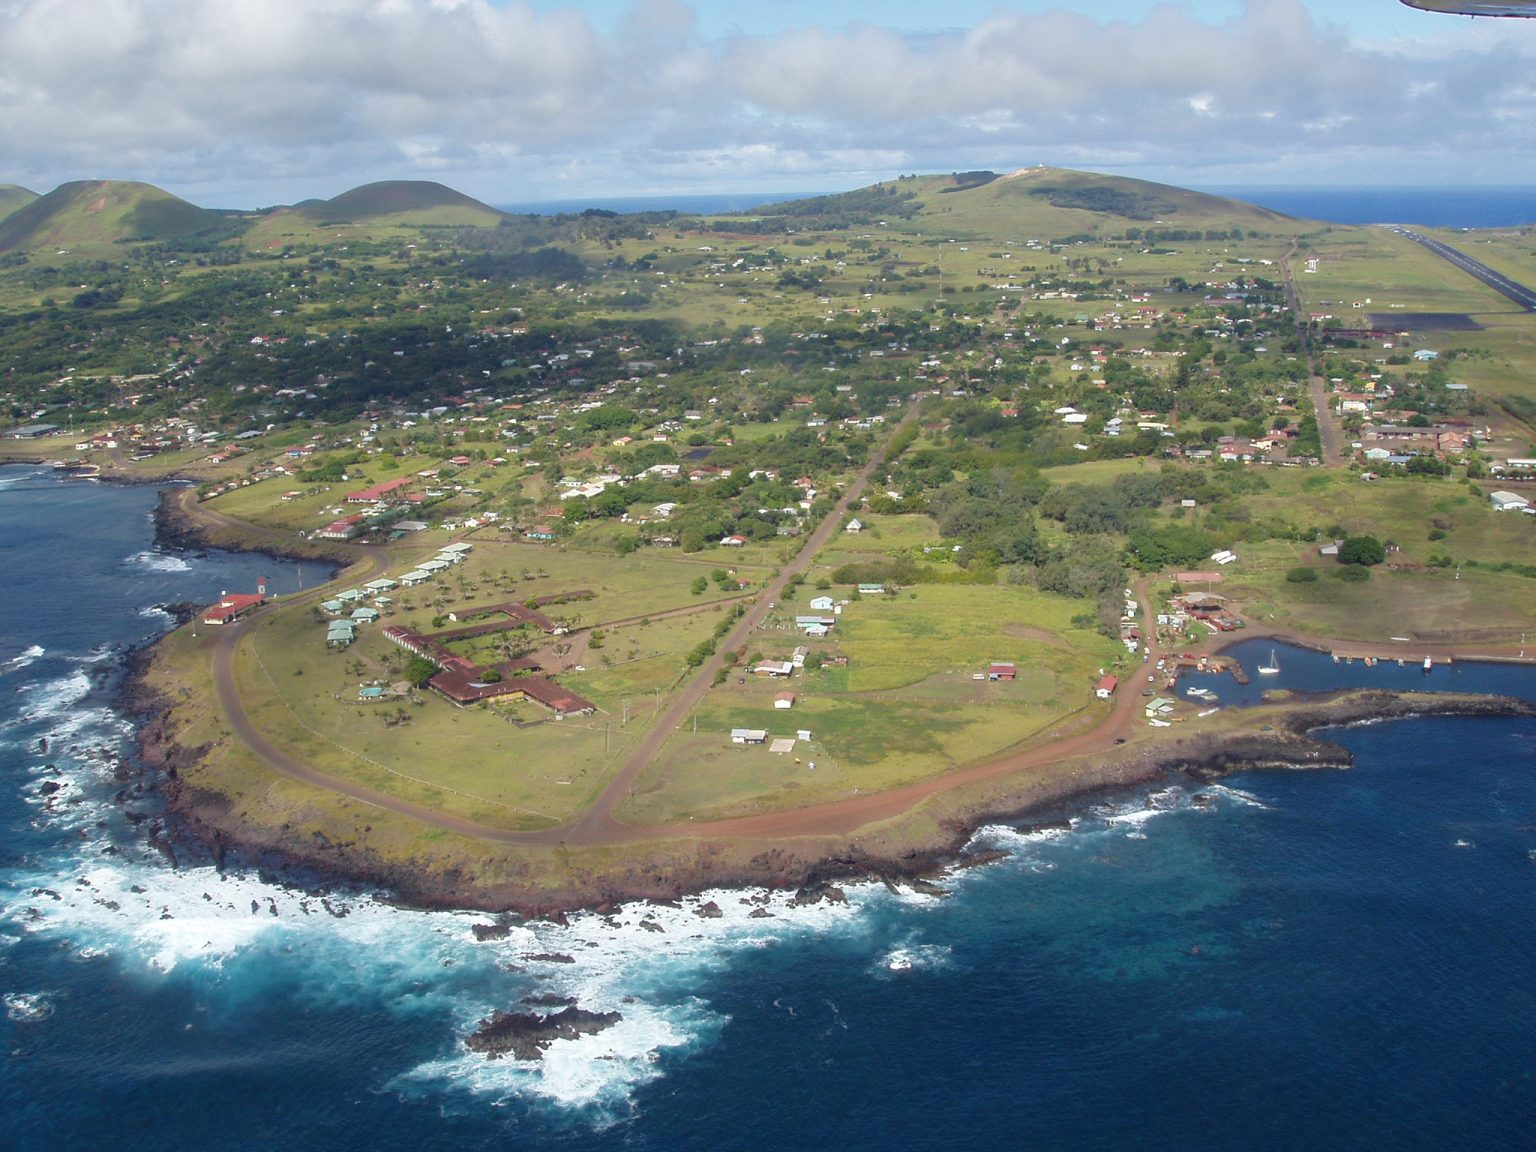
(355,607)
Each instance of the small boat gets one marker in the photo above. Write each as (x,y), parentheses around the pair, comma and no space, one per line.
(1272,668)
(1428,663)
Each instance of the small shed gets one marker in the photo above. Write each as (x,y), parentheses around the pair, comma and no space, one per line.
(784,700)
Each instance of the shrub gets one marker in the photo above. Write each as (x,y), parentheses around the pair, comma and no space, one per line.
(1353,575)
(1362,550)
(1301,576)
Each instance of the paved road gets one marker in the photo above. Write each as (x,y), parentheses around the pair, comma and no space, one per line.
(1499,282)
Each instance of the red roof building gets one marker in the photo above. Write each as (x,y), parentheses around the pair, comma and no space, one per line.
(1106,688)
(378,491)
(231,607)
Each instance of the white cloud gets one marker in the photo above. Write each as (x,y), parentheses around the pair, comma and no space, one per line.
(283,98)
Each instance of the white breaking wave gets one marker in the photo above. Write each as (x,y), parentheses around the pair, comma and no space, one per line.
(28,1007)
(1236,795)
(649,963)
(9,478)
(27,658)
(159,562)
(913,957)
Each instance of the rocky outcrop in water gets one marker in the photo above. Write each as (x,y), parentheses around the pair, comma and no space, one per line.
(525,1035)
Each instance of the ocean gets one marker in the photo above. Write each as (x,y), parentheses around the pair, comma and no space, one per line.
(1497,206)
(1280,960)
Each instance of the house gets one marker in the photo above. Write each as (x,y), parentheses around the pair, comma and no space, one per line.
(1106,688)
(784,700)
(871,589)
(1508,501)
(733,541)
(340,634)
(231,607)
(365,616)
(774,668)
(749,736)
(855,525)
(343,529)
(414,577)
(379,491)
(1002,670)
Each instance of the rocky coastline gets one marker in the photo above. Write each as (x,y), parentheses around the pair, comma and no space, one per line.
(813,868)
(175,528)
(917,851)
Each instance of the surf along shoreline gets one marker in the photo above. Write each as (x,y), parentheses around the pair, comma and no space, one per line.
(913,835)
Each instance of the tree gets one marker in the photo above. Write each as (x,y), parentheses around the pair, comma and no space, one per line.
(1362,550)
(419,671)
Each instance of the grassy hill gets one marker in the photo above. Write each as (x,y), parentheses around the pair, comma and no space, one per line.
(14,196)
(389,209)
(1033,202)
(417,202)
(90,214)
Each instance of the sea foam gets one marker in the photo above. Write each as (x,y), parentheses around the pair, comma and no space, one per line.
(653,964)
(159,562)
(25,660)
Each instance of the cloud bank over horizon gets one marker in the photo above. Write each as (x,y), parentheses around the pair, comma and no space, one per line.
(240,103)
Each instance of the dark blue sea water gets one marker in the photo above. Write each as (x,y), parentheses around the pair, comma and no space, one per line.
(1313,960)
(1478,207)
(1485,207)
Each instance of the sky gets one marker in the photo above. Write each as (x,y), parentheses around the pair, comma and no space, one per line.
(251,103)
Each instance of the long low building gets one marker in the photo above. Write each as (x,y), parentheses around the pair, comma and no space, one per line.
(231,607)
(1508,501)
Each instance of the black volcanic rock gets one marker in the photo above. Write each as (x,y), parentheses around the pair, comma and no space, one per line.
(525,1035)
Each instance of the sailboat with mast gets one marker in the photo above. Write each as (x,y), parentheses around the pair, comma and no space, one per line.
(1272,668)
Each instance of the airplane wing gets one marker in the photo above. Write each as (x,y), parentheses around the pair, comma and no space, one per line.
(1526,8)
